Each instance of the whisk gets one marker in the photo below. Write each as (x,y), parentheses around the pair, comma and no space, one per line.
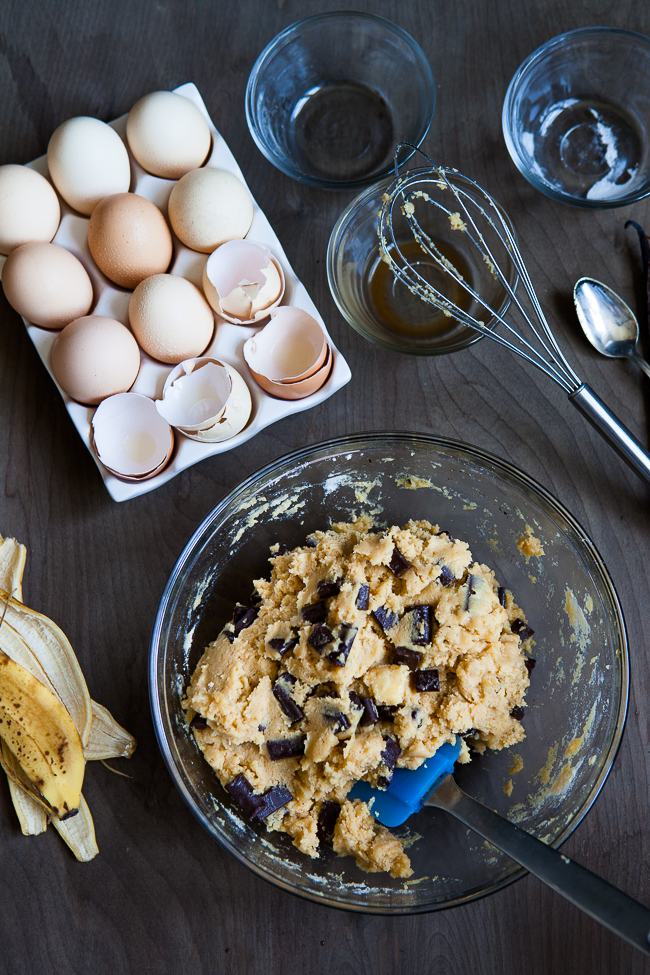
(475,214)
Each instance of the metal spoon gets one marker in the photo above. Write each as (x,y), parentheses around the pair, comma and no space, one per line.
(609,324)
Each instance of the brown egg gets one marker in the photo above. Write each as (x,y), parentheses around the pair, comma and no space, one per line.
(95,357)
(46,284)
(129,239)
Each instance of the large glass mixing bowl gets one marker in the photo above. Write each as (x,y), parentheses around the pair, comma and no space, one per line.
(575,706)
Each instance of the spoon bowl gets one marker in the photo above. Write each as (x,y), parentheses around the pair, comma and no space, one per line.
(609,324)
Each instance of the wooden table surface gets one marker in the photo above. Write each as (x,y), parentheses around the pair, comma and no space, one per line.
(161,896)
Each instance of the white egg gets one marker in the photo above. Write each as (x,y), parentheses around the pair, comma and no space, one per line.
(29,208)
(208,207)
(130,437)
(87,161)
(167,134)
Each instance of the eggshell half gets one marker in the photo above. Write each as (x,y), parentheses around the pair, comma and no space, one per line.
(170,318)
(290,348)
(46,284)
(29,207)
(206,399)
(95,357)
(129,239)
(130,437)
(243,282)
(297,390)
(167,134)
(209,206)
(87,161)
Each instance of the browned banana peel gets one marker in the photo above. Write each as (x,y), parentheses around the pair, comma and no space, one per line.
(38,646)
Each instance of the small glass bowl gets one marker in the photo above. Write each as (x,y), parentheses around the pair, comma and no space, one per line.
(575,706)
(330,98)
(576,117)
(380,307)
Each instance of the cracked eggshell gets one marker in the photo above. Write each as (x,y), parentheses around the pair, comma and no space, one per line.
(290,348)
(29,207)
(209,206)
(95,357)
(170,318)
(46,284)
(87,161)
(206,399)
(300,389)
(130,437)
(167,134)
(243,282)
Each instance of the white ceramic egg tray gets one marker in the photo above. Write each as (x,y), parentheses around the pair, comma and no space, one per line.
(227,342)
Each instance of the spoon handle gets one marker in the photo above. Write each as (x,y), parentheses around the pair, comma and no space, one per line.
(596,897)
(615,433)
(640,361)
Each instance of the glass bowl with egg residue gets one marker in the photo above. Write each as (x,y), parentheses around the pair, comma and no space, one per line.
(330,98)
(576,117)
(382,308)
(575,705)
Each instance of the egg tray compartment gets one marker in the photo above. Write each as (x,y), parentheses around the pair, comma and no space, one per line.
(227,341)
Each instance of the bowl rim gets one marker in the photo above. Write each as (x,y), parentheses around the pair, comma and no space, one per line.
(332,278)
(466,452)
(277,42)
(507,114)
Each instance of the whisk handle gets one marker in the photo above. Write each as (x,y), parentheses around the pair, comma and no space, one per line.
(615,433)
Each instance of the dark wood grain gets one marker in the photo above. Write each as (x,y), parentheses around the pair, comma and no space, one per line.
(161,897)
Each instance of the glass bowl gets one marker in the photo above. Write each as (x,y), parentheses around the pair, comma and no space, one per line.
(576,117)
(383,309)
(576,703)
(330,97)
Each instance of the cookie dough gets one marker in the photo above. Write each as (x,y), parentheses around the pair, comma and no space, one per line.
(368,649)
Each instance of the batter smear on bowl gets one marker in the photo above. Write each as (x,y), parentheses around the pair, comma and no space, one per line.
(366,650)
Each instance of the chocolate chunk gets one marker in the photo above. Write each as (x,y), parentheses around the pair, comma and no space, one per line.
(283,646)
(398,565)
(198,723)
(286,748)
(311,543)
(421,625)
(385,712)
(229,632)
(446,576)
(339,655)
(470,591)
(287,704)
(385,617)
(426,680)
(501,593)
(369,715)
(522,630)
(517,713)
(327,816)
(257,807)
(390,753)
(255,599)
(340,721)
(402,655)
(243,616)
(363,597)
(273,799)
(261,727)
(283,548)
(320,636)
(327,589)
(356,700)
(530,664)
(316,613)
(447,535)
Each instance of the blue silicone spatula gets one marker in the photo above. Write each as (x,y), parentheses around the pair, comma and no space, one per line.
(433,785)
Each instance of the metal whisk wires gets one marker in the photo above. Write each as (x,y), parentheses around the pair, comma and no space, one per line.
(474,213)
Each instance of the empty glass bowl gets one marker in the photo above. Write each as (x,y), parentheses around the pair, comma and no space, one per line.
(383,309)
(576,117)
(330,97)
(575,706)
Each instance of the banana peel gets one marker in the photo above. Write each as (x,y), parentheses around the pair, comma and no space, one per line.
(38,646)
